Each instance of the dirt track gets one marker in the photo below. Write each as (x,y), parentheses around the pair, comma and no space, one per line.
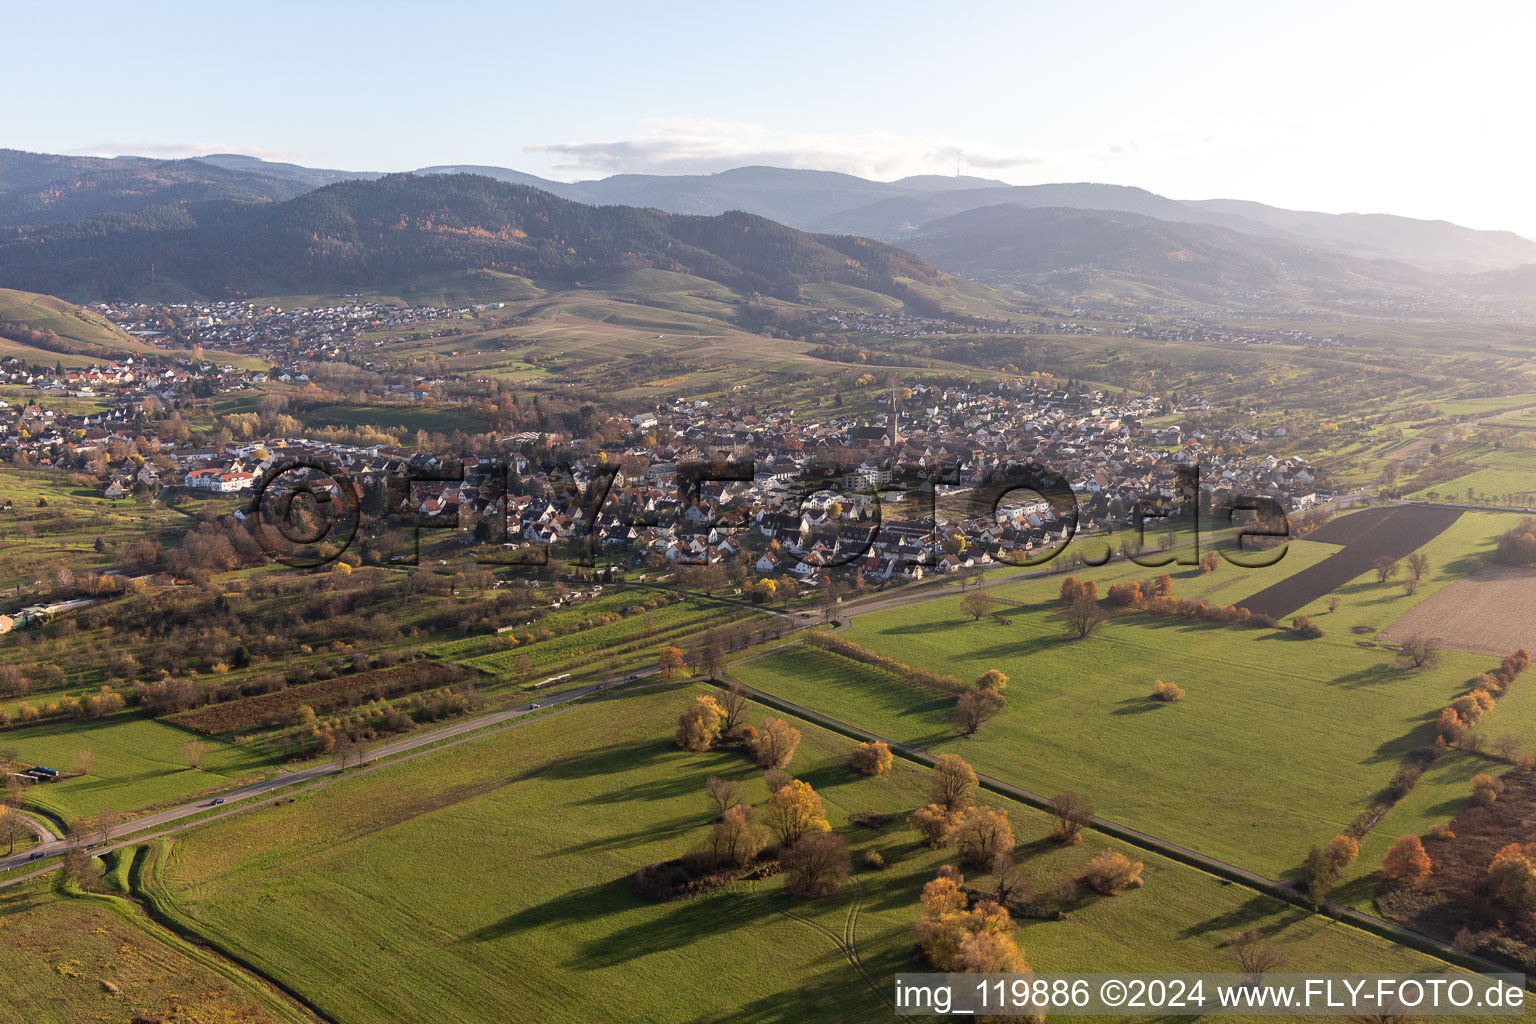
(1366,536)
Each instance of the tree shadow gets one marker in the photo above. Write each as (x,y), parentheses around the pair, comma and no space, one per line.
(1244,917)
(1138,706)
(607,760)
(692,920)
(651,833)
(577,905)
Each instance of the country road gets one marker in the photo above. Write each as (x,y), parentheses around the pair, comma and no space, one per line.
(53,847)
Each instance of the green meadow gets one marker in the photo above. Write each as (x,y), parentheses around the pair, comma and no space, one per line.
(139,762)
(1278,744)
(475,883)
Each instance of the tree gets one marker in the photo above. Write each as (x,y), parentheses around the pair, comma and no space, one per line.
(1508,745)
(734,839)
(1418,566)
(698,727)
(775,743)
(1083,617)
(954,938)
(1512,877)
(669,661)
(932,823)
(816,865)
(871,758)
(13,792)
(106,823)
(992,679)
(976,707)
(1386,567)
(735,702)
(1169,693)
(194,751)
(982,835)
(1420,651)
(85,762)
(12,827)
(1072,811)
(1317,876)
(723,794)
(1342,851)
(1407,863)
(977,604)
(1008,879)
(712,659)
(1112,872)
(953,783)
(796,810)
(1254,954)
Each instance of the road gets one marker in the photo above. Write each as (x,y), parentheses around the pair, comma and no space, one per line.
(52,846)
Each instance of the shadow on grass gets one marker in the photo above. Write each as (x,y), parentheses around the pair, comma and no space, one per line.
(607,760)
(1242,918)
(577,905)
(679,826)
(1138,706)
(690,921)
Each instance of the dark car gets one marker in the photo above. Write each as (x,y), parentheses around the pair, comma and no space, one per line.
(216,801)
(37,855)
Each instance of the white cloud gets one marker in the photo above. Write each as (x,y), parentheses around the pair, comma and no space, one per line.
(682,146)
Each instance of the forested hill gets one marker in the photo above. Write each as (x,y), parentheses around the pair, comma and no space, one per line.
(358,235)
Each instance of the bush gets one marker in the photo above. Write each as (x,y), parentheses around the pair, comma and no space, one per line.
(871,758)
(875,861)
(932,823)
(1168,693)
(1305,628)
(1485,788)
(1112,872)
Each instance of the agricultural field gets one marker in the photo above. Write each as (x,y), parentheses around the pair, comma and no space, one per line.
(1266,716)
(1365,536)
(67,959)
(138,762)
(1492,613)
(510,858)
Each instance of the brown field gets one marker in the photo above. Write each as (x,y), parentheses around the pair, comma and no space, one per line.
(1456,895)
(272,709)
(1493,612)
(1366,536)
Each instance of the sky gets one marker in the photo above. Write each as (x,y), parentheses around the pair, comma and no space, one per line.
(1408,108)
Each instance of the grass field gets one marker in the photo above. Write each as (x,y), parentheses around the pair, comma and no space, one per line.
(139,762)
(509,858)
(1278,745)
(81,332)
(66,960)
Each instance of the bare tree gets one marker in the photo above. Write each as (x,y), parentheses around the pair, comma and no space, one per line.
(12,827)
(977,604)
(1420,651)
(1008,880)
(1254,954)
(735,702)
(1386,567)
(106,823)
(1072,811)
(1418,566)
(1508,745)
(85,762)
(1083,617)
(194,751)
(723,794)
(976,707)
